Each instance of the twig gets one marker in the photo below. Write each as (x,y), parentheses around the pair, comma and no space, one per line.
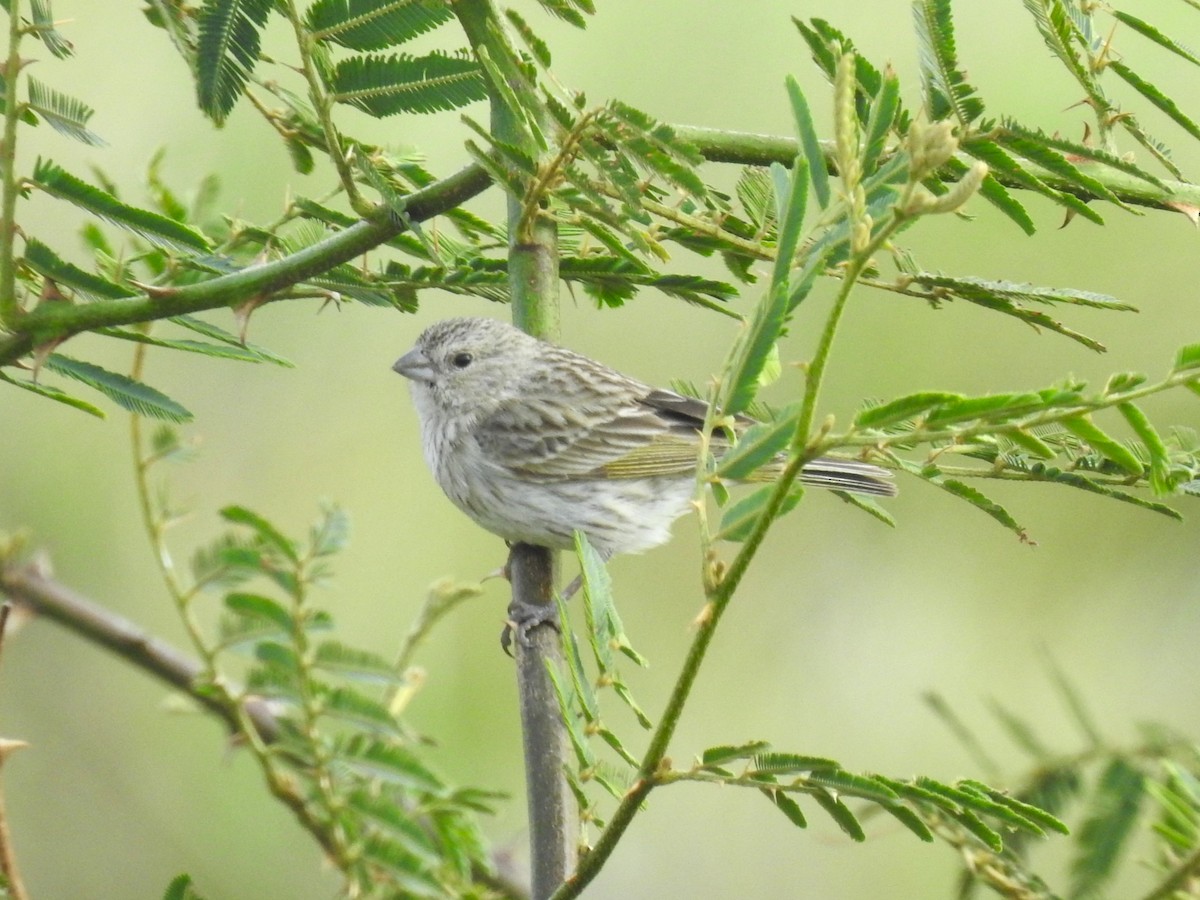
(8,858)
(30,586)
(10,307)
(1187,870)
(533,275)
(56,321)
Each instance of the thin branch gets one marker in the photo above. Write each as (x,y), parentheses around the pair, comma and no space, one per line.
(8,857)
(322,105)
(10,308)
(30,586)
(57,321)
(1187,871)
(534,279)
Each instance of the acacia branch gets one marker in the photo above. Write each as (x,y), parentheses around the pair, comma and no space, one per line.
(31,587)
(52,322)
(57,321)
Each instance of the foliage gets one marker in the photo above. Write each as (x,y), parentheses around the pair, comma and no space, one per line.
(629,198)
(337,751)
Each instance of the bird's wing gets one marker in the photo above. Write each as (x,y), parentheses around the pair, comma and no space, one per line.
(592,424)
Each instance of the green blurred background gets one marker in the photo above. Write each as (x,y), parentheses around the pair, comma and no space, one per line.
(838,631)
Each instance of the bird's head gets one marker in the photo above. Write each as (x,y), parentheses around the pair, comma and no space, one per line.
(467,366)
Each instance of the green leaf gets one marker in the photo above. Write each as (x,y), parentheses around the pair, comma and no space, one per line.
(43,28)
(570,11)
(970,287)
(985,504)
(220,334)
(726,753)
(1084,428)
(536,45)
(1003,165)
(657,147)
(1152,93)
(49,264)
(584,696)
(810,144)
(841,814)
(181,888)
(1187,358)
(1052,160)
(757,342)
(774,763)
(396,822)
(884,108)
(374,24)
(740,518)
(1054,23)
(841,782)
(1147,30)
(909,820)
(997,195)
(349,705)
(989,407)
(358,665)
(331,533)
(227,47)
(256,606)
(1112,815)
(1074,149)
(219,351)
(946,88)
(970,799)
(64,114)
(974,825)
(1073,479)
(404,871)
(1032,444)
(158,229)
(902,408)
(787,806)
(584,757)
(1043,820)
(282,666)
(53,393)
(388,85)
(392,764)
(757,198)
(121,389)
(759,445)
(1160,464)
(263,530)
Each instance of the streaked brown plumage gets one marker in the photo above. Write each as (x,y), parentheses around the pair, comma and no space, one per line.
(534,441)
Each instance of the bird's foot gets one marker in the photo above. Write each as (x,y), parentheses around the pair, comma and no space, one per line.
(523,618)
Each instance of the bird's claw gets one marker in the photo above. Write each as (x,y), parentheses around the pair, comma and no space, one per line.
(523,618)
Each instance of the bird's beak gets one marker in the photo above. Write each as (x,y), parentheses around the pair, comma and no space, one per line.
(415,365)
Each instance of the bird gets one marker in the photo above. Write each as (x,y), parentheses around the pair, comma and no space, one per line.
(534,441)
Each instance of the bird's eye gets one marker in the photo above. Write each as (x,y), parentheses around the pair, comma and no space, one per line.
(461,360)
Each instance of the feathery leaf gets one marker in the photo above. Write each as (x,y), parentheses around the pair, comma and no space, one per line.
(230,35)
(388,85)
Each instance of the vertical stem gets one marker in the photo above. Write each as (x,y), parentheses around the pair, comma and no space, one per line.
(9,308)
(533,276)
(8,860)
(321,106)
(553,817)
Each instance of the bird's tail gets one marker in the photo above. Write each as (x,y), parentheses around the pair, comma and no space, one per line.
(848,475)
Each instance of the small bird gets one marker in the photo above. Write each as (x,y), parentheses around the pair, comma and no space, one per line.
(534,441)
